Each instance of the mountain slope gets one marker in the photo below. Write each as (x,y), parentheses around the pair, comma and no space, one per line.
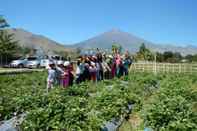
(129,42)
(28,39)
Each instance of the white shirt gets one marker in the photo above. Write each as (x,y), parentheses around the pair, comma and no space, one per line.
(51,75)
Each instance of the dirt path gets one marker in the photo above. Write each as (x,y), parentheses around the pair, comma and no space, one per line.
(4,71)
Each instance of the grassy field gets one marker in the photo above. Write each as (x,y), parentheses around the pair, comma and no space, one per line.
(161,102)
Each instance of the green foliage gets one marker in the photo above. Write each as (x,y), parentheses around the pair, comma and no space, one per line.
(191,58)
(144,53)
(8,47)
(168,56)
(3,22)
(171,57)
(172,106)
(18,93)
(80,107)
(116,48)
(167,101)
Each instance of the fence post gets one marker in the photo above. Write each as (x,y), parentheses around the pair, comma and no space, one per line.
(191,68)
(155,68)
(179,68)
(143,67)
(1,61)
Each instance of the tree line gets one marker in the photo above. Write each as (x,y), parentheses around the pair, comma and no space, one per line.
(144,54)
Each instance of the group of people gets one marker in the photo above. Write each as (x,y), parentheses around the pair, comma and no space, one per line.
(88,68)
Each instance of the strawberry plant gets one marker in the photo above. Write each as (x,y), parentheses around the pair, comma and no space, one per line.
(166,101)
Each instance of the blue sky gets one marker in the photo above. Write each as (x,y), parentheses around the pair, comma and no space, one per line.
(71,21)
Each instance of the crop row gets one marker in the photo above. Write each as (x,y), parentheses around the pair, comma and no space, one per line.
(89,106)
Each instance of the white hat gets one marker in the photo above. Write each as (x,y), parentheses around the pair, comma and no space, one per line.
(110,56)
(66,63)
(94,56)
(60,62)
(92,63)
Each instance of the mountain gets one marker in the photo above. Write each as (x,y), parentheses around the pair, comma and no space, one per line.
(28,39)
(105,40)
(129,42)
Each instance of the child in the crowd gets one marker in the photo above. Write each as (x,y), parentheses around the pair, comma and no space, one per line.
(66,74)
(51,76)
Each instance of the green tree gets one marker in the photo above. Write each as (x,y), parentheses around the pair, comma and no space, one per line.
(171,57)
(143,49)
(168,56)
(144,53)
(189,58)
(8,47)
(177,57)
(116,47)
(3,22)
(160,57)
(194,58)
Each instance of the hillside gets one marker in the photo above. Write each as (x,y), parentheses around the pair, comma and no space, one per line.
(28,39)
(129,42)
(105,40)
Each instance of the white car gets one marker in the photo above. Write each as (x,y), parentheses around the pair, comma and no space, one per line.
(20,63)
(44,63)
(33,62)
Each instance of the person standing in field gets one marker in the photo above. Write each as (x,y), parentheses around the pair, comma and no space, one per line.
(66,74)
(113,67)
(78,72)
(70,72)
(99,67)
(51,76)
(86,72)
(127,63)
(109,62)
(93,70)
(118,62)
(60,73)
(106,68)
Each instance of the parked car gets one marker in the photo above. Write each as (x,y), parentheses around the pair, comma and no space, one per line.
(20,63)
(44,63)
(33,62)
